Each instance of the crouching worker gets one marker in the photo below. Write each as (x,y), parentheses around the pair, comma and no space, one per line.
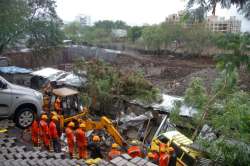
(94,147)
(54,134)
(114,151)
(82,141)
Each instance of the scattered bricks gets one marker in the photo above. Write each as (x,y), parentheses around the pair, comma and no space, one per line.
(17,156)
(116,160)
(142,162)
(28,155)
(70,162)
(9,156)
(150,164)
(31,162)
(135,160)
(35,155)
(63,162)
(130,164)
(59,155)
(122,162)
(103,162)
(40,162)
(7,163)
(41,154)
(80,162)
(48,162)
(126,156)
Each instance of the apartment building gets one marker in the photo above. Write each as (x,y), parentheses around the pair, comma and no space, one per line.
(220,24)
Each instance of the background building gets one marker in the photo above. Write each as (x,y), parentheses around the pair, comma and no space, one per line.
(84,20)
(220,24)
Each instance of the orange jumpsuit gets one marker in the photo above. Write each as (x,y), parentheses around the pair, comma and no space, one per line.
(35,132)
(82,143)
(54,136)
(113,153)
(134,151)
(44,132)
(70,140)
(164,159)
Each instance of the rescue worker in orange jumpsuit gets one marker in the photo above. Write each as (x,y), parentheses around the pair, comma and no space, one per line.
(54,134)
(114,152)
(164,157)
(35,132)
(82,141)
(58,105)
(70,138)
(134,150)
(44,131)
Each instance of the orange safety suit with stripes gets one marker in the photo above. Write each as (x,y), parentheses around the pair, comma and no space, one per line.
(134,151)
(164,159)
(70,140)
(44,133)
(35,132)
(82,143)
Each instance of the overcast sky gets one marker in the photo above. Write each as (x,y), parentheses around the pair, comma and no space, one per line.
(133,12)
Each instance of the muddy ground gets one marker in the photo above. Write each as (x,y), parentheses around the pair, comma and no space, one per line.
(173,74)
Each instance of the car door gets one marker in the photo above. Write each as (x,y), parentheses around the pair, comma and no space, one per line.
(5,98)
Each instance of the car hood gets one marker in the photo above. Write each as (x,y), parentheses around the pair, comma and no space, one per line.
(16,89)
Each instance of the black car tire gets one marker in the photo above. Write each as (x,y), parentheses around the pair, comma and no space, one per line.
(24,118)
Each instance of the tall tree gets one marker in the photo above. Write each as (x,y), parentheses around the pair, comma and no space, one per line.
(29,19)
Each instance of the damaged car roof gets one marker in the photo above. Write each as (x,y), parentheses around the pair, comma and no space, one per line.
(60,76)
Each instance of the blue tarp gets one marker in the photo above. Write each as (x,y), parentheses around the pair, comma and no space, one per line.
(14,70)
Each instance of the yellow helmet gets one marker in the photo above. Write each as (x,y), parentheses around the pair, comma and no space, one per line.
(53,113)
(134,142)
(150,155)
(115,145)
(44,117)
(96,138)
(54,118)
(82,125)
(71,124)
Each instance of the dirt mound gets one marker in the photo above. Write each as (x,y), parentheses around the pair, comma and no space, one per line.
(208,76)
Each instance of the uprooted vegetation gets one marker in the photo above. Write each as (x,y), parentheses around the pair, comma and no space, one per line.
(106,84)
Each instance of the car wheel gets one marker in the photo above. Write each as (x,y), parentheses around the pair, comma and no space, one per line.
(24,117)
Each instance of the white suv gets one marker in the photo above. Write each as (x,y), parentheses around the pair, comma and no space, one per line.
(19,103)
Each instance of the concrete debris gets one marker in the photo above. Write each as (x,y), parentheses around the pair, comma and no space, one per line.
(207,133)
(168,104)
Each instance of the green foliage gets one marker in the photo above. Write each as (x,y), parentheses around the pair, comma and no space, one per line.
(106,83)
(134,33)
(98,34)
(195,95)
(227,152)
(225,108)
(22,18)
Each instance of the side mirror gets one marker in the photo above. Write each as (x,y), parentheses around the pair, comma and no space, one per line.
(4,86)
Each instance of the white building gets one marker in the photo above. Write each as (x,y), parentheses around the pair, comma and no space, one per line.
(84,20)
(220,24)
